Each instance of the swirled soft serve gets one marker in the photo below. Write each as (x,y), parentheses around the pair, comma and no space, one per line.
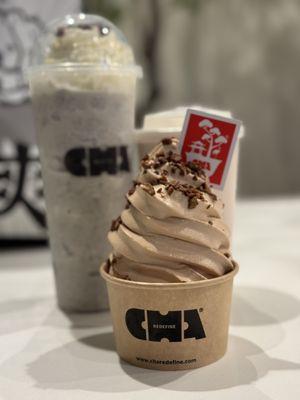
(171,229)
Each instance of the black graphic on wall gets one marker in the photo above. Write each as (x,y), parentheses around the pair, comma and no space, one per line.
(18,32)
(164,326)
(20,180)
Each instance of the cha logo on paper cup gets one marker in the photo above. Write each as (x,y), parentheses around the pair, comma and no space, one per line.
(209,140)
(175,326)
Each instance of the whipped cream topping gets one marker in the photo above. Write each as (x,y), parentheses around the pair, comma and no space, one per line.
(171,229)
(89,44)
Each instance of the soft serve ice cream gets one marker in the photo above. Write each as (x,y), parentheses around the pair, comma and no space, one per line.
(171,229)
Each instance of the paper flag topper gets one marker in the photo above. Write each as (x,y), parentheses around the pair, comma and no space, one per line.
(209,140)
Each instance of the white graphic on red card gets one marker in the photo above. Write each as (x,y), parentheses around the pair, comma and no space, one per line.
(209,140)
(209,146)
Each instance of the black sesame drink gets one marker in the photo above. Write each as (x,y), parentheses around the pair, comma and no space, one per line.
(83,97)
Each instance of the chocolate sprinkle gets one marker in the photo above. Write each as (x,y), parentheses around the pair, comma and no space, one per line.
(210,222)
(146,164)
(147,187)
(166,141)
(146,157)
(206,189)
(131,191)
(170,190)
(163,179)
(192,203)
(115,224)
(194,167)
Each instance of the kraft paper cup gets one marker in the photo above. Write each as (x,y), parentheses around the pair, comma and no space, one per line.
(171,326)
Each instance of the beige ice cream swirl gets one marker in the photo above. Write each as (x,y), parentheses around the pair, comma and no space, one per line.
(171,229)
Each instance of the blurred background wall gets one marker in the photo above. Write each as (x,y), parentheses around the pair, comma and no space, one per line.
(241,55)
(237,55)
(22,209)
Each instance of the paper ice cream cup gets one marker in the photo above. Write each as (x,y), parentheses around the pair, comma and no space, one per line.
(170,326)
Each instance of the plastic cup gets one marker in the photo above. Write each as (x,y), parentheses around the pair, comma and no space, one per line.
(84,115)
(171,326)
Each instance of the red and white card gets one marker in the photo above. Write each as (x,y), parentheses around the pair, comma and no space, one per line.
(209,140)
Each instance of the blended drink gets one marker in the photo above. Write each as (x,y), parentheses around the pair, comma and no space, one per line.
(84,96)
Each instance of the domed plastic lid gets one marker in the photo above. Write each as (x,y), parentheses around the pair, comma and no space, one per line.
(87,41)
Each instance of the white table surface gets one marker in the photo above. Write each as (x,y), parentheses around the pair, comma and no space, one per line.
(45,354)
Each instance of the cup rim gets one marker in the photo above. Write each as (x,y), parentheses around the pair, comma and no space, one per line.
(134,70)
(141,133)
(161,286)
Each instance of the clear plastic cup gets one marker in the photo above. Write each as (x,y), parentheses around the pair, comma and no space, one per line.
(83,93)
